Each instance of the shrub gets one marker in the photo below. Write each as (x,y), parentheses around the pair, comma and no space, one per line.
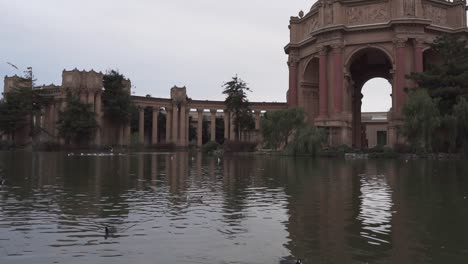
(210,147)
(239,146)
(48,146)
(307,140)
(162,146)
(7,144)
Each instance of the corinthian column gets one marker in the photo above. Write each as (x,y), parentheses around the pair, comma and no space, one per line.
(418,55)
(292,97)
(338,78)
(154,132)
(98,111)
(141,126)
(168,124)
(323,87)
(200,127)
(400,72)
(227,118)
(213,125)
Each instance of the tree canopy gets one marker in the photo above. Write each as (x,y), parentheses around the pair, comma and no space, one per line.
(17,108)
(77,123)
(288,130)
(422,118)
(449,79)
(277,127)
(117,104)
(238,104)
(445,80)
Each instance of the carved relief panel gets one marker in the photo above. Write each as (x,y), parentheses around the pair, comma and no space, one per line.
(438,15)
(408,7)
(328,12)
(310,25)
(367,14)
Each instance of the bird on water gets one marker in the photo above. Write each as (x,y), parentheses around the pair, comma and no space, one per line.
(290,261)
(2,181)
(109,231)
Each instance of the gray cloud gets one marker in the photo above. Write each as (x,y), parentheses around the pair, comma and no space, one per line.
(155,43)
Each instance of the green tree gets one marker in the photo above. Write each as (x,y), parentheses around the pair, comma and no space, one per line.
(18,107)
(460,112)
(307,140)
(421,119)
(277,127)
(116,99)
(77,123)
(238,104)
(447,80)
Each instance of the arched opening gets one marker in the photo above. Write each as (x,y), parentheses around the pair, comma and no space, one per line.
(377,95)
(374,66)
(310,89)
(376,103)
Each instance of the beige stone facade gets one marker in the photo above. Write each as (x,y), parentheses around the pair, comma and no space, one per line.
(339,45)
(178,108)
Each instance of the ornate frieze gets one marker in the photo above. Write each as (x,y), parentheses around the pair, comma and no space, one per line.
(368,14)
(437,14)
(328,12)
(311,25)
(408,7)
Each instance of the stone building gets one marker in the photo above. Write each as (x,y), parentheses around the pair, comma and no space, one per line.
(88,85)
(339,45)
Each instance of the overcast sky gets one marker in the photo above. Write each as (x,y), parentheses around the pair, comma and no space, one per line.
(156,43)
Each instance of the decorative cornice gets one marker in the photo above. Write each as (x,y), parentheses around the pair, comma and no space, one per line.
(400,42)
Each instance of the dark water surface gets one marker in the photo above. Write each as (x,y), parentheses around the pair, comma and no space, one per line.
(253,210)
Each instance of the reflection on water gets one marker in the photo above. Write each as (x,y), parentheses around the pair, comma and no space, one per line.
(376,208)
(188,208)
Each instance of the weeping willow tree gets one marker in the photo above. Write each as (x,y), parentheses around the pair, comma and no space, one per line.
(421,119)
(288,130)
(307,140)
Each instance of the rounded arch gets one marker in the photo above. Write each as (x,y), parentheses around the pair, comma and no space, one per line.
(359,50)
(310,86)
(364,64)
(307,64)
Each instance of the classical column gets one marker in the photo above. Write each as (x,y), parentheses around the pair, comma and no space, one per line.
(127,134)
(292,63)
(98,111)
(83,97)
(339,77)
(418,55)
(183,125)
(141,126)
(323,89)
(400,71)
(154,134)
(54,120)
(257,120)
(91,99)
(227,121)
(175,124)
(213,125)
(200,127)
(232,133)
(187,125)
(168,124)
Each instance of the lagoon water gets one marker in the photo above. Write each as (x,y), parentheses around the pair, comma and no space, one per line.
(189,208)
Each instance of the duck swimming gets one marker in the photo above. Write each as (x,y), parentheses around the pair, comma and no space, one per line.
(290,261)
(2,181)
(109,231)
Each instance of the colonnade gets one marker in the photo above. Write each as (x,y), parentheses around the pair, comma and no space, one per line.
(49,118)
(177,124)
